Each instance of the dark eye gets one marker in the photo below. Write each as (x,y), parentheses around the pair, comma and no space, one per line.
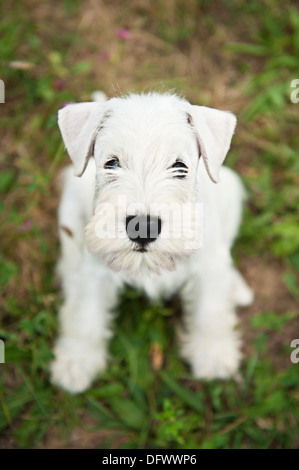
(180,169)
(111,164)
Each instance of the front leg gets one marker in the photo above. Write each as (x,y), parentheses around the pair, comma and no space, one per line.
(80,350)
(210,342)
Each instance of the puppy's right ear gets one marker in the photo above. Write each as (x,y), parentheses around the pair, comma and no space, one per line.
(79,124)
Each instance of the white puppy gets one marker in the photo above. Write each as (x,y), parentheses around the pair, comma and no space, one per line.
(146,211)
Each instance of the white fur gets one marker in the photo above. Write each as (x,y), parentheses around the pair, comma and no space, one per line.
(148,133)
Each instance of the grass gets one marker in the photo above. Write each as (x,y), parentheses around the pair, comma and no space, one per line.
(147,398)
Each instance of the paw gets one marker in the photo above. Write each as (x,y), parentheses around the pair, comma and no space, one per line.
(76,364)
(242,295)
(212,358)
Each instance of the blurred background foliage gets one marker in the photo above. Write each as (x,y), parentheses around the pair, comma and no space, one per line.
(234,55)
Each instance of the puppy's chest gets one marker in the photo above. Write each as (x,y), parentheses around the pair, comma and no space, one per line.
(159,286)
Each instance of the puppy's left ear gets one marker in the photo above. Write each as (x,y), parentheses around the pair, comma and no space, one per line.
(213,130)
(79,124)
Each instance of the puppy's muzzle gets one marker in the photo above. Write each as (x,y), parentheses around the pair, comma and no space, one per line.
(143,229)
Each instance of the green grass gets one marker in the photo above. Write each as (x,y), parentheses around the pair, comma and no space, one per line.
(134,404)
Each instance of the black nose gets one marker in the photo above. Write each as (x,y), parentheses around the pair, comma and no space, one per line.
(143,229)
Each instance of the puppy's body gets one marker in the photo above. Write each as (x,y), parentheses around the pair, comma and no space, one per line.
(147,133)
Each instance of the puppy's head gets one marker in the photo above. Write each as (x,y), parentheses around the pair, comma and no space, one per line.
(147,150)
